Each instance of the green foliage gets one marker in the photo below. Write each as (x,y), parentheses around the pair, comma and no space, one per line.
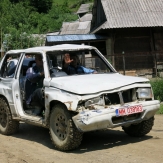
(60,13)
(157,85)
(41,6)
(22,18)
(160,111)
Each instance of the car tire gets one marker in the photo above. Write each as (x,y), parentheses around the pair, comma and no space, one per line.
(64,133)
(8,126)
(140,129)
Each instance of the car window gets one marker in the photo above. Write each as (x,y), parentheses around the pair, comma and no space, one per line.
(87,60)
(9,65)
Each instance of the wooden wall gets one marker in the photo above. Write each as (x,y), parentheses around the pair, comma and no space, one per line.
(139,47)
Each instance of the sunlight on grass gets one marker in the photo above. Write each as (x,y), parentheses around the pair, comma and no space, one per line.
(160,111)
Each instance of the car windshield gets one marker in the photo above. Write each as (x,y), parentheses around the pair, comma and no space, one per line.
(78,62)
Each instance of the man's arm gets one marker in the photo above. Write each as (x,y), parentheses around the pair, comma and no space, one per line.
(66,63)
(67,60)
(32,76)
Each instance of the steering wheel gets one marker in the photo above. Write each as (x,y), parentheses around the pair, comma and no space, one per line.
(55,69)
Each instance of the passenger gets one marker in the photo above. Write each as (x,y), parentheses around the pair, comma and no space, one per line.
(9,59)
(34,85)
(71,65)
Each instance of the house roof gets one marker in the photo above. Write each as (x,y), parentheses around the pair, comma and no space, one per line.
(84,8)
(54,33)
(86,17)
(81,26)
(131,13)
(75,27)
(69,38)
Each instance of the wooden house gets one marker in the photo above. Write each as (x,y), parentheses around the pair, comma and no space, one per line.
(135,33)
(128,32)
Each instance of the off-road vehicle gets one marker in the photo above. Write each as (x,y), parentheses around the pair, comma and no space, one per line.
(76,103)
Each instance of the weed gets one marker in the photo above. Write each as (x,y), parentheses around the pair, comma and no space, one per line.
(157,86)
(160,111)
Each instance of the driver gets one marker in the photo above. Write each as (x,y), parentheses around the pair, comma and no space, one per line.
(71,65)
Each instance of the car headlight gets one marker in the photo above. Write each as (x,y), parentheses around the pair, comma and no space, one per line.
(97,100)
(144,93)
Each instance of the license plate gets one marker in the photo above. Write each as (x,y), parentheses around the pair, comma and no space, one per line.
(129,110)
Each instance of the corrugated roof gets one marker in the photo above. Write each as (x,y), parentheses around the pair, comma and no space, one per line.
(84,8)
(132,13)
(64,38)
(54,33)
(75,27)
(86,17)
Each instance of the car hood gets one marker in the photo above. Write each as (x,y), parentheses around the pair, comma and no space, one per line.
(93,83)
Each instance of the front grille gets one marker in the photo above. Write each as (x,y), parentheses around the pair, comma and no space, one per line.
(114,98)
(120,119)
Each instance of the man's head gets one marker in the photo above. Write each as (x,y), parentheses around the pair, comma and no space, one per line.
(38,59)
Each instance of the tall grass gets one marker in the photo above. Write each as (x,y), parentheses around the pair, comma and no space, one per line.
(160,111)
(157,86)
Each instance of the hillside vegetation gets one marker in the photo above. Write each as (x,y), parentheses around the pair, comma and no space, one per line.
(21,18)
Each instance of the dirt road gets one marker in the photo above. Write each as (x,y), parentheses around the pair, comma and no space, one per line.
(33,145)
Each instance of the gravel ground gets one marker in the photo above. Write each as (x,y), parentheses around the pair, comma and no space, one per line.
(33,145)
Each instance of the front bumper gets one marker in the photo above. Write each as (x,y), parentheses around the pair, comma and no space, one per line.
(106,117)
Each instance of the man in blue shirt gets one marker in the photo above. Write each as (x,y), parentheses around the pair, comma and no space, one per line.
(34,85)
(71,65)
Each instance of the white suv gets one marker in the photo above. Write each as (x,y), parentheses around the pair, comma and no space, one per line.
(76,103)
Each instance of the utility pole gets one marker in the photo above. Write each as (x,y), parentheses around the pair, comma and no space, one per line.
(124,67)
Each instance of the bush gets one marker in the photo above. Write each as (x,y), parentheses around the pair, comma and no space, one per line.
(157,86)
(160,111)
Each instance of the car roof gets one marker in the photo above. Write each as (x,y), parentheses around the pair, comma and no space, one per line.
(16,51)
(61,47)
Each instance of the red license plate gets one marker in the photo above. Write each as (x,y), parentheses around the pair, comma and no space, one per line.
(129,110)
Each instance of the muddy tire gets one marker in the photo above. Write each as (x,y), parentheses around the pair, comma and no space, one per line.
(141,129)
(64,133)
(8,126)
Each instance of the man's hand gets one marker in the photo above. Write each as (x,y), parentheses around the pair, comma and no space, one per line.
(67,59)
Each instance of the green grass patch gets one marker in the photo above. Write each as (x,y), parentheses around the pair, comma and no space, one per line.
(157,86)
(160,111)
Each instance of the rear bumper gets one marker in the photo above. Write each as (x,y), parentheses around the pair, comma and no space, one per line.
(106,118)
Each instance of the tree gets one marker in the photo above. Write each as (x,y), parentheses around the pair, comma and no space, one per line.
(4,18)
(21,19)
(41,6)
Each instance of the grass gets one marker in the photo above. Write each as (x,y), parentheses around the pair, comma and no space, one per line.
(157,86)
(160,111)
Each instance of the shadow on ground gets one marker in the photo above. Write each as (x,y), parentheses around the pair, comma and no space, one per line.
(106,139)
(96,140)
